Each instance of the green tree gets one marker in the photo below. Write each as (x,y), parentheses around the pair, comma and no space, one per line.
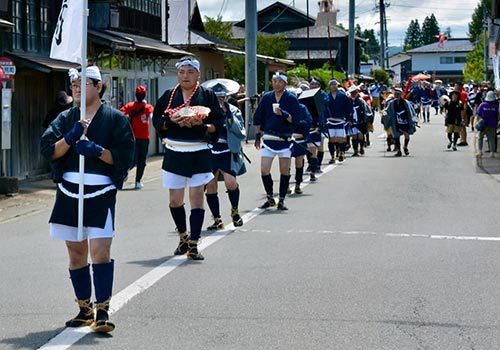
(474,63)
(221,30)
(413,36)
(234,66)
(476,25)
(430,29)
(372,46)
(363,56)
(324,74)
(381,75)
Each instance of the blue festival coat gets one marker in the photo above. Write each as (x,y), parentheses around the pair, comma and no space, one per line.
(275,124)
(391,118)
(236,133)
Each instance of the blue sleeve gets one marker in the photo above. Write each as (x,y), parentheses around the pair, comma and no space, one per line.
(259,115)
(306,119)
(295,110)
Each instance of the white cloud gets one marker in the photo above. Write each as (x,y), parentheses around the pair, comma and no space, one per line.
(455,14)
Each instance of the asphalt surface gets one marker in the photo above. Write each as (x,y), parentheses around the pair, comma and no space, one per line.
(379,253)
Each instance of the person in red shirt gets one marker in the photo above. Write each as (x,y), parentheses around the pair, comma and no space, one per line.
(464,98)
(139,113)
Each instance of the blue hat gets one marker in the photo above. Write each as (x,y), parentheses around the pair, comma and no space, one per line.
(219,90)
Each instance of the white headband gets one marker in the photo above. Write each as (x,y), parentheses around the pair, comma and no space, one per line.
(191,62)
(91,72)
(281,76)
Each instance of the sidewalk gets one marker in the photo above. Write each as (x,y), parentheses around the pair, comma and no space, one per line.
(36,191)
(489,165)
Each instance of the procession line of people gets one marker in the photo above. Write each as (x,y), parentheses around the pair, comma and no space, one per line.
(202,134)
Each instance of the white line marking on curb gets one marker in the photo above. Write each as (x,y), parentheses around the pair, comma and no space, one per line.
(70,336)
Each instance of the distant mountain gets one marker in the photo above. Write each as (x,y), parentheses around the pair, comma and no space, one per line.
(392,50)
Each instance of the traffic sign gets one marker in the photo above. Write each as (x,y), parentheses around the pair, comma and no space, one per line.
(8,67)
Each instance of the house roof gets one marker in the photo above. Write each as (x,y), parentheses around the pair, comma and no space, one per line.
(6,24)
(40,62)
(184,36)
(280,14)
(450,45)
(319,31)
(148,44)
(262,58)
(298,30)
(398,59)
(301,55)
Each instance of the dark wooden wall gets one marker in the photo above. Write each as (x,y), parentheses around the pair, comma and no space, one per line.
(33,96)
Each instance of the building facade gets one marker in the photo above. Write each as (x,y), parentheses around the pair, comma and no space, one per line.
(444,62)
(124,40)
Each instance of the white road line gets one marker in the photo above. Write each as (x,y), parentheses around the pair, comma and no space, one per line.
(70,336)
(417,235)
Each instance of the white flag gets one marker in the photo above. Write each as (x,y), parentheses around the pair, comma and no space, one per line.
(67,40)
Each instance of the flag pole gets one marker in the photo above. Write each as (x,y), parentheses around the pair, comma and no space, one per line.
(83,110)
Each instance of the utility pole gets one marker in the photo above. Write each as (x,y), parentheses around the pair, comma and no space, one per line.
(308,46)
(485,43)
(381,6)
(250,59)
(351,51)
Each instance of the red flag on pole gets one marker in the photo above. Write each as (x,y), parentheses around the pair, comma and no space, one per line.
(441,39)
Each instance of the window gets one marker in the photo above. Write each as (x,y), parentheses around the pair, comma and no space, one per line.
(46,26)
(451,60)
(149,6)
(33,27)
(446,60)
(18,30)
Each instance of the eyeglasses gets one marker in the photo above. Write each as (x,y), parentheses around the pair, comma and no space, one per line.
(75,86)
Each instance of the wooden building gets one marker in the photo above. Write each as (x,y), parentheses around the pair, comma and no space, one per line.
(124,40)
(313,41)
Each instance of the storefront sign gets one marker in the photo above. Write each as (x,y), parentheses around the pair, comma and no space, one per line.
(8,67)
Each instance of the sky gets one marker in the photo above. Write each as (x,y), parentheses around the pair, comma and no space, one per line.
(455,14)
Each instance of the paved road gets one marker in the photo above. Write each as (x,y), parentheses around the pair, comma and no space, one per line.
(380,253)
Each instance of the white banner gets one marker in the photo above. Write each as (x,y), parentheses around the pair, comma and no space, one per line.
(67,40)
(496,74)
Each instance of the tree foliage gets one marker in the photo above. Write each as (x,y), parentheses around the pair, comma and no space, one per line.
(474,67)
(219,29)
(413,36)
(476,25)
(430,30)
(324,74)
(381,75)
(234,66)
(371,48)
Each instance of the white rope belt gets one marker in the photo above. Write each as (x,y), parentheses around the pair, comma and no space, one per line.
(272,138)
(335,120)
(185,146)
(88,179)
